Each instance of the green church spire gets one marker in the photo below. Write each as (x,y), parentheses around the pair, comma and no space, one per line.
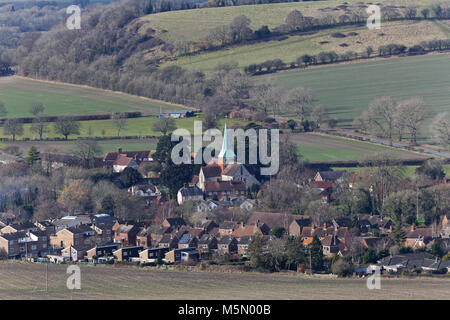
(227,148)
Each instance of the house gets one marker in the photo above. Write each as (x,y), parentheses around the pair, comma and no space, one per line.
(150,255)
(178,114)
(243,243)
(127,253)
(102,251)
(144,190)
(418,237)
(71,221)
(408,261)
(188,193)
(227,245)
(274,219)
(25,227)
(73,236)
(208,225)
(330,176)
(377,243)
(445,226)
(123,162)
(168,241)
(330,245)
(46,226)
(125,234)
(225,190)
(21,243)
(237,171)
(187,241)
(295,228)
(181,255)
(143,237)
(260,229)
(173,223)
(138,156)
(227,228)
(75,253)
(207,244)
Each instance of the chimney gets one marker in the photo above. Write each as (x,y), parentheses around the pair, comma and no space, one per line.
(324,226)
(412,228)
(119,150)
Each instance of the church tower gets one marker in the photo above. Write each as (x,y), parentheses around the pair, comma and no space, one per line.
(226,155)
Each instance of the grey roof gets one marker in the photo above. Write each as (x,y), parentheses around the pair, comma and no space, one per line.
(191,191)
(332,175)
(228,225)
(226,240)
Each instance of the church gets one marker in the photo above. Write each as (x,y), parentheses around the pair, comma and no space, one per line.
(225,178)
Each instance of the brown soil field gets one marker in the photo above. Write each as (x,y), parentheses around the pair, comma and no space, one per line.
(20,280)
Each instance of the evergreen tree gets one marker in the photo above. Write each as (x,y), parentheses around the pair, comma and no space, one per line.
(316,254)
(33,156)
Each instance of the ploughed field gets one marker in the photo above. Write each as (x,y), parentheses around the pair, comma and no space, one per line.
(27,281)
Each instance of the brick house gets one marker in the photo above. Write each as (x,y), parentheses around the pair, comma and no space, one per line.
(143,237)
(227,228)
(25,227)
(418,237)
(296,226)
(125,234)
(168,241)
(150,255)
(73,236)
(243,245)
(188,241)
(21,243)
(101,251)
(127,253)
(173,223)
(227,245)
(207,244)
(258,228)
(181,255)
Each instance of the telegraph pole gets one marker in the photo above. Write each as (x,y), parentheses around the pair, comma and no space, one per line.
(46,276)
(310,263)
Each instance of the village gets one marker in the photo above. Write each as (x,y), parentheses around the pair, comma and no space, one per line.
(224,185)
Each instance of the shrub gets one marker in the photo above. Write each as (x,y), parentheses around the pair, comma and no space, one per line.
(338,35)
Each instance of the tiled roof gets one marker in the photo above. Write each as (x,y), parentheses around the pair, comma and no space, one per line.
(211,170)
(224,186)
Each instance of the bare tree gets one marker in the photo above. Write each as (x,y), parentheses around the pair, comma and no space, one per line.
(265,96)
(440,129)
(412,112)
(36,108)
(86,150)
(40,126)
(300,100)
(164,125)
(382,115)
(119,121)
(3,111)
(13,127)
(66,125)
(318,114)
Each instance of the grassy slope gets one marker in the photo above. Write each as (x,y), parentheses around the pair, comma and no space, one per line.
(18,93)
(319,147)
(345,90)
(197,23)
(402,32)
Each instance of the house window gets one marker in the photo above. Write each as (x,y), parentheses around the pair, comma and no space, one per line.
(33,247)
(124,253)
(224,246)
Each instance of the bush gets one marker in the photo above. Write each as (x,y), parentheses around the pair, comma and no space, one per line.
(338,35)
(341,268)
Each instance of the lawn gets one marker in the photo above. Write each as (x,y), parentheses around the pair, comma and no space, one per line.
(27,281)
(407,33)
(346,90)
(17,93)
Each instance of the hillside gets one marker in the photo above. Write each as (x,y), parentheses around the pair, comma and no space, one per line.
(17,93)
(197,23)
(345,90)
(406,33)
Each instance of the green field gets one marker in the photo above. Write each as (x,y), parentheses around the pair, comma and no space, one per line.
(345,90)
(28,281)
(135,127)
(319,147)
(17,93)
(408,33)
(197,23)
